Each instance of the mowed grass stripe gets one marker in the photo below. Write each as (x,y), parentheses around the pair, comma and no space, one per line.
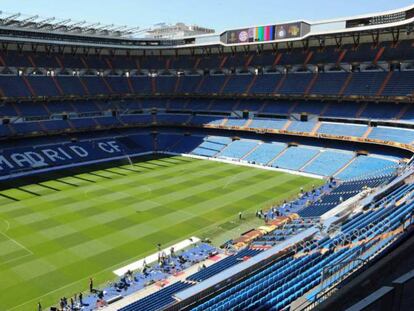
(186,198)
(69,205)
(71,183)
(172,231)
(94,195)
(146,202)
(151,215)
(84,242)
(48,223)
(96,236)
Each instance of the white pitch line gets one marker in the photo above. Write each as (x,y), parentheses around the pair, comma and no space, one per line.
(76,282)
(17,243)
(70,284)
(15,259)
(229,181)
(7,225)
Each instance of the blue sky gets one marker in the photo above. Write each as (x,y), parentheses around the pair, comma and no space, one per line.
(218,14)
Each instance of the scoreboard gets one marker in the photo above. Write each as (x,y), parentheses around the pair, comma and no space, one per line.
(265,33)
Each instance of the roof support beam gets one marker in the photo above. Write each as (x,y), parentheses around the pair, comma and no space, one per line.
(48,49)
(86,51)
(132,30)
(356,39)
(61,49)
(35,46)
(5,46)
(6,20)
(75,25)
(305,44)
(90,27)
(338,41)
(321,43)
(103,28)
(259,48)
(43,23)
(289,46)
(73,50)
(375,38)
(20,47)
(60,24)
(28,20)
(395,35)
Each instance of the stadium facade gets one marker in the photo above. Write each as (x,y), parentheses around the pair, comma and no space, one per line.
(330,100)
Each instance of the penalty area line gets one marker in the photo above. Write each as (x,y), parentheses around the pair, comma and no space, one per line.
(17,243)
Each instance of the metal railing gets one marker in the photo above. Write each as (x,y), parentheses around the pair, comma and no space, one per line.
(339,272)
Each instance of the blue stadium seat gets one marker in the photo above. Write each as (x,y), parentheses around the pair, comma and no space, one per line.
(238,149)
(392,134)
(342,129)
(365,165)
(295,157)
(328,162)
(266,152)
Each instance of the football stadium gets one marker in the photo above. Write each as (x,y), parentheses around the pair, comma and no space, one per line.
(268,167)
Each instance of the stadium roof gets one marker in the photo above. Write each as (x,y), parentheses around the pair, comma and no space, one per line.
(21,29)
(305,29)
(19,21)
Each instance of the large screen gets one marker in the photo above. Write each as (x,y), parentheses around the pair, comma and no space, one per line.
(265,33)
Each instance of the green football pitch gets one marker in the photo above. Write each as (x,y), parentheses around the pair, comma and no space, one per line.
(56,234)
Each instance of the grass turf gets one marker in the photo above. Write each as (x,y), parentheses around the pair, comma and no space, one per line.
(55,234)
